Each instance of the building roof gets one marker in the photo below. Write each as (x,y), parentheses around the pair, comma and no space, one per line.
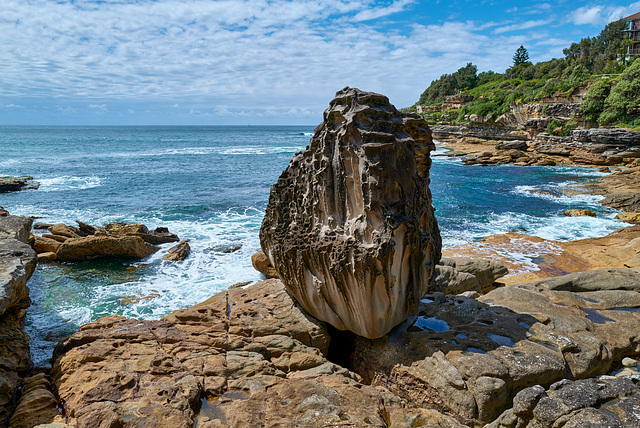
(631,17)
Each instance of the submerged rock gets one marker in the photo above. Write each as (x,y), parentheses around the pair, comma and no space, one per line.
(349,226)
(578,212)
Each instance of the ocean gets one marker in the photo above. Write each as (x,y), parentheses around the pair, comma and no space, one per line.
(211,185)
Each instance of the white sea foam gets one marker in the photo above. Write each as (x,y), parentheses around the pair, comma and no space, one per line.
(557,193)
(556,228)
(263,150)
(226,150)
(69,183)
(8,163)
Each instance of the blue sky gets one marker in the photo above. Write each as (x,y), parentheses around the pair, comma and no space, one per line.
(111,62)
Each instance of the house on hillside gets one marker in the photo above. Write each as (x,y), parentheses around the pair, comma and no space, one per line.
(633,31)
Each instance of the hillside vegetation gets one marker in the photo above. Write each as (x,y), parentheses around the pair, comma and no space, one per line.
(597,63)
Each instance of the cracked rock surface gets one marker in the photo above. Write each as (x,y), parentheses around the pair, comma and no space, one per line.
(349,227)
(245,357)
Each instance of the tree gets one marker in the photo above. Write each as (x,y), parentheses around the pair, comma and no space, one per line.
(521,56)
(593,102)
(466,76)
(624,97)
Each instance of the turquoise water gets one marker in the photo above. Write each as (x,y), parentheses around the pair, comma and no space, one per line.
(211,184)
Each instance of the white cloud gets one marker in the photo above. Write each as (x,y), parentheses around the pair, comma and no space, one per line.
(522,26)
(234,58)
(11,106)
(602,15)
(379,12)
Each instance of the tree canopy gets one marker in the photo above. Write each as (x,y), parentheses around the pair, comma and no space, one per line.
(521,56)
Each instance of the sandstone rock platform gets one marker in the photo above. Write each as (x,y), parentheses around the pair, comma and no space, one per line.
(245,357)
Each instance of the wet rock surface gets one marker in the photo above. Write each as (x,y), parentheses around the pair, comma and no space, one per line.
(178,252)
(17,263)
(470,358)
(349,226)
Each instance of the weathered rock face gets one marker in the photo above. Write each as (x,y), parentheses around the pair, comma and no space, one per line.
(471,357)
(455,276)
(17,263)
(99,246)
(612,402)
(350,227)
(620,249)
(178,252)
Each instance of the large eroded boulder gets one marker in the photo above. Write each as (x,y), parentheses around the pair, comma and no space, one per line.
(349,226)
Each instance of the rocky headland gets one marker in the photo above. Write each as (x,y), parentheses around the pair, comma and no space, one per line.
(350,235)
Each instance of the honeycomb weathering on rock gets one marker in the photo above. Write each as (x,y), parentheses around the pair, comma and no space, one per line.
(349,226)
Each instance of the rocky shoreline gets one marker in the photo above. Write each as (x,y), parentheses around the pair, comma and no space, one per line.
(489,344)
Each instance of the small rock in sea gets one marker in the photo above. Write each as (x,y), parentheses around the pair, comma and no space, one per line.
(629,362)
(576,212)
(47,257)
(41,226)
(178,252)
(605,169)
(124,301)
(14,184)
(226,249)
(629,216)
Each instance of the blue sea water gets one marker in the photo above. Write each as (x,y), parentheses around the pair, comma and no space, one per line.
(211,185)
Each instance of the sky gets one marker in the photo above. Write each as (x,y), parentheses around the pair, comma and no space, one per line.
(269,62)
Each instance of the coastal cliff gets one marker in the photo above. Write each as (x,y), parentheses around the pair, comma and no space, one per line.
(17,263)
